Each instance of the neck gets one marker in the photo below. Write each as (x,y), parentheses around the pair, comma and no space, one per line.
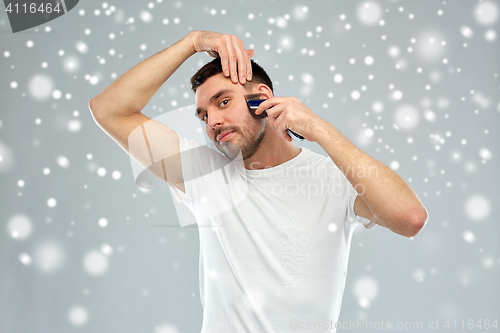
(274,150)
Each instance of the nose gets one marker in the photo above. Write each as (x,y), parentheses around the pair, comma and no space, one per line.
(215,119)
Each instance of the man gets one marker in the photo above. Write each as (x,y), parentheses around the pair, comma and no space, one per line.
(276,261)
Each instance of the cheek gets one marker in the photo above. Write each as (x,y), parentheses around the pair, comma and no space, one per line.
(209,132)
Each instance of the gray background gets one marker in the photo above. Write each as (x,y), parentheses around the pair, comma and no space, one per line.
(71,274)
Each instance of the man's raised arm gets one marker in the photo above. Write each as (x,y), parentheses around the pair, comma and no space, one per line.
(117,109)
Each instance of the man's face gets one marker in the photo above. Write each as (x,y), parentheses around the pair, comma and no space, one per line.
(222,106)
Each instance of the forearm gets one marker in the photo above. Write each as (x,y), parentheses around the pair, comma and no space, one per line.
(386,194)
(133,90)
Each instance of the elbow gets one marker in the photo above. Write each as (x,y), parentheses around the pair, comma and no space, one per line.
(94,110)
(418,222)
(92,105)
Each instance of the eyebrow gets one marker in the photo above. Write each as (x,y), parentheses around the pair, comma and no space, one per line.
(214,97)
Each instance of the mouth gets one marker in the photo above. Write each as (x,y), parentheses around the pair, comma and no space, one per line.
(224,136)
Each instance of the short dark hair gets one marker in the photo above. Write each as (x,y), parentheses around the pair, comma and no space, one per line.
(214,67)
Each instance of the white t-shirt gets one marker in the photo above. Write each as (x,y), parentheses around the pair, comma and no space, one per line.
(274,243)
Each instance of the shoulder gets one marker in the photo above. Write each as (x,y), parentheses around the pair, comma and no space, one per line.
(315,159)
(317,164)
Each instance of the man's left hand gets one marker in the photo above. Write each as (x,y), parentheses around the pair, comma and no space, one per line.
(290,113)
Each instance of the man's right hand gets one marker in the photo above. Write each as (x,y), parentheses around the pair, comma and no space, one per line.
(235,59)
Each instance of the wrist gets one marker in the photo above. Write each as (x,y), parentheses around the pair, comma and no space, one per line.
(322,131)
(328,136)
(192,37)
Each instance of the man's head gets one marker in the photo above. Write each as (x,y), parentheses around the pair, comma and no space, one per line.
(222,106)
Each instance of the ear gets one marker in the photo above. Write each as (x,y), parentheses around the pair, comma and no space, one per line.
(265,90)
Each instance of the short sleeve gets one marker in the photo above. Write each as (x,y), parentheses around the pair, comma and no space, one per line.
(349,195)
(180,196)
(185,204)
(187,159)
(355,219)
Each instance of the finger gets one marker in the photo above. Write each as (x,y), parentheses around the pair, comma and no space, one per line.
(233,57)
(224,61)
(242,60)
(263,106)
(268,103)
(281,127)
(276,111)
(250,52)
(249,64)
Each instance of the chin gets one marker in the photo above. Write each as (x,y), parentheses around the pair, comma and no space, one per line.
(229,149)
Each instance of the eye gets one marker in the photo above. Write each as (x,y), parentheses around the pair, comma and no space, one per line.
(226,100)
(203,116)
